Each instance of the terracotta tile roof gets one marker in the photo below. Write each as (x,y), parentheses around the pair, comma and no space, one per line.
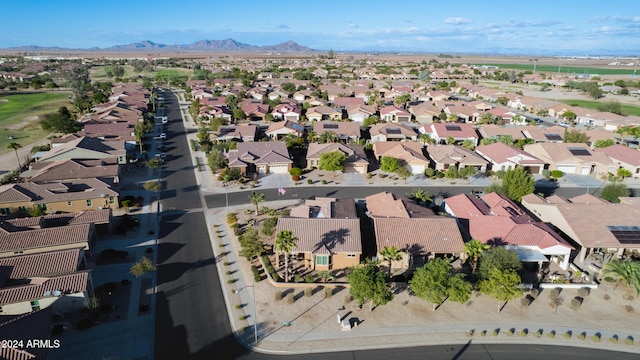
(347,102)
(286,124)
(323,236)
(78,189)
(389,205)
(439,235)
(500,153)
(355,153)
(409,152)
(554,153)
(392,109)
(94,148)
(466,131)
(41,264)
(73,169)
(340,128)
(12,240)
(449,154)
(63,219)
(621,153)
(32,325)
(322,207)
(493,131)
(38,287)
(383,128)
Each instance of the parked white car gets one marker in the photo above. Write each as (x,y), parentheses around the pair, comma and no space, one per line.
(163,136)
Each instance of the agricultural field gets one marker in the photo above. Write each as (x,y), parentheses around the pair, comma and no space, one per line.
(99,73)
(563,69)
(20,115)
(592,104)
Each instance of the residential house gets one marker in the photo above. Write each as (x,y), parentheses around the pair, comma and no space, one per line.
(623,157)
(36,281)
(348,102)
(286,112)
(596,226)
(25,327)
(495,220)
(504,157)
(444,156)
(261,158)
(61,196)
(409,153)
(17,240)
(355,162)
(359,113)
(244,133)
(464,113)
(412,229)
(345,130)
(327,232)
(572,158)
(392,132)
(106,170)
(554,134)
(278,130)
(255,111)
(394,114)
(440,132)
(323,112)
(499,113)
(491,131)
(425,113)
(85,148)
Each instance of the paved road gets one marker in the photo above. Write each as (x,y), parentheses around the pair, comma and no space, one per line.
(242,197)
(191,319)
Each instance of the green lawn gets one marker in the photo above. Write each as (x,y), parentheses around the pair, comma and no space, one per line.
(563,69)
(19,115)
(590,104)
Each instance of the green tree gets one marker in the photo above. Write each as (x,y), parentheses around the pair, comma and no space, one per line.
(153,163)
(517,183)
(451,173)
(60,122)
(15,146)
(420,196)
(458,289)
(557,174)
(502,100)
(140,129)
(403,173)
(368,283)
(325,276)
(488,141)
(216,160)
(426,139)
(285,242)
(466,172)
(288,87)
(623,173)
(293,141)
(328,137)
(474,249)
(390,254)
(486,118)
(625,271)
(603,143)
(389,164)
(255,199)
(569,115)
(401,100)
(502,285)
(238,114)
(373,119)
(506,139)
(432,282)
(152,186)
(613,192)
(500,258)
(142,267)
(469,144)
(251,246)
(332,161)
(575,136)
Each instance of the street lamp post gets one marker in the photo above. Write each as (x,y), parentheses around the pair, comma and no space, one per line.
(226,196)
(255,319)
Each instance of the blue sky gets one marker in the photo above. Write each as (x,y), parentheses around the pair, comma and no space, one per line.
(493,27)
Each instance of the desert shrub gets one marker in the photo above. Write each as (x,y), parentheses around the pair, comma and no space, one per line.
(308,292)
(495,332)
(238,306)
(606,297)
(348,299)
(297,278)
(290,298)
(269,226)
(538,333)
(534,293)
(576,302)
(309,181)
(555,292)
(324,182)
(614,339)
(232,218)
(309,278)
(582,336)
(256,273)
(596,337)
(524,332)
(551,334)
(277,295)
(629,308)
(584,292)
(568,334)
(629,340)
(328,293)
(511,331)
(525,301)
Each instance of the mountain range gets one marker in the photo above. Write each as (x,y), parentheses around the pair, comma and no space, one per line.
(198,46)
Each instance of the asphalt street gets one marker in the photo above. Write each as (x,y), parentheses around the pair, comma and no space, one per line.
(191,318)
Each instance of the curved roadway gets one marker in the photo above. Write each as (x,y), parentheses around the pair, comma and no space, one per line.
(191,317)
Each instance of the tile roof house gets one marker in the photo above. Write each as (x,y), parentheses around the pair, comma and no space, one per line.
(323,112)
(409,153)
(65,196)
(458,131)
(596,227)
(346,130)
(504,157)
(551,134)
(444,156)
(279,129)
(359,113)
(255,111)
(261,158)
(356,159)
(496,220)
(624,156)
(392,132)
(495,131)
(327,232)
(413,229)
(25,327)
(394,114)
(466,113)
(244,133)
(571,158)
(286,112)
(16,240)
(348,102)
(106,170)
(425,113)
(84,148)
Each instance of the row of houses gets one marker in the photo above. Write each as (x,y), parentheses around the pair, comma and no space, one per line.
(329,236)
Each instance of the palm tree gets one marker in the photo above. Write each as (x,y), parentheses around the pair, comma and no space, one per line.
(420,196)
(627,272)
(390,254)
(256,198)
(325,276)
(15,146)
(426,139)
(285,242)
(474,248)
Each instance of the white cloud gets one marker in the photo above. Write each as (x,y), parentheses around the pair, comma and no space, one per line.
(353,25)
(457,20)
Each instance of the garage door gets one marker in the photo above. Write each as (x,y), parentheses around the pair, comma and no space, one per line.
(351,169)
(567,169)
(586,170)
(416,169)
(279,169)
